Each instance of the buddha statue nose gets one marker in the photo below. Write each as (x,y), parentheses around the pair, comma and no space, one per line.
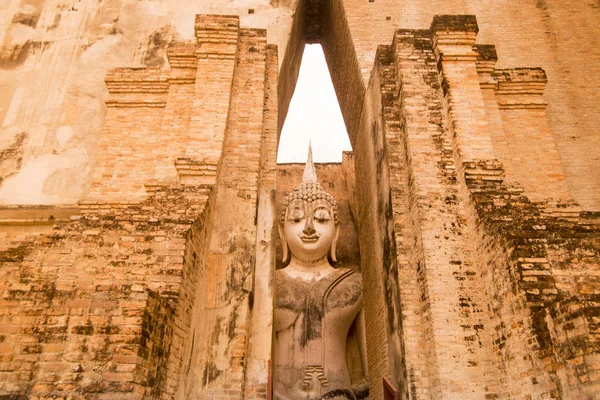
(309,228)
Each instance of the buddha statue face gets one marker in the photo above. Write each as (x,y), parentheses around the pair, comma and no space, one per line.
(309,229)
(308,224)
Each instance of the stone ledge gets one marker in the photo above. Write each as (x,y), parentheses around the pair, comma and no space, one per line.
(36,215)
(193,172)
(520,88)
(137,87)
(127,103)
(489,171)
(486,52)
(137,80)
(156,193)
(182,55)
(486,63)
(520,105)
(454,23)
(521,74)
(513,81)
(453,37)
(34,220)
(563,210)
(217,35)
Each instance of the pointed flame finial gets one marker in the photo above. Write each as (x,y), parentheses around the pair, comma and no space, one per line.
(310,175)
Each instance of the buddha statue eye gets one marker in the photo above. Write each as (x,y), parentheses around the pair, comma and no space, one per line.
(322,215)
(296,215)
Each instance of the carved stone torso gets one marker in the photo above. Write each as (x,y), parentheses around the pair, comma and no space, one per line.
(312,320)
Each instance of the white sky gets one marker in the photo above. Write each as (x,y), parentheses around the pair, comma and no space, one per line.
(314,114)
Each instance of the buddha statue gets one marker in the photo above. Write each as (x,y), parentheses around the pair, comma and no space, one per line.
(316,304)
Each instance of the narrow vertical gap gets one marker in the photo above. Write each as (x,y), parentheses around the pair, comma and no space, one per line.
(314,114)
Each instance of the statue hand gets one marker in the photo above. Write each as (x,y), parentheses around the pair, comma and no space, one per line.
(354,393)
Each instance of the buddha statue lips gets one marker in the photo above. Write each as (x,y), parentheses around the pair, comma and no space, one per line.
(309,239)
(316,304)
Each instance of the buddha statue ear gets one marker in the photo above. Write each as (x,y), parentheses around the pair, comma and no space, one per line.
(284,245)
(332,254)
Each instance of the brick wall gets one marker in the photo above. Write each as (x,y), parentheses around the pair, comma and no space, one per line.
(217,347)
(53,90)
(115,302)
(476,285)
(378,248)
(550,34)
(479,264)
(257,371)
(96,300)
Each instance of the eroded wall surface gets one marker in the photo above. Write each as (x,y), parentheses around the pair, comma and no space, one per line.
(152,295)
(487,279)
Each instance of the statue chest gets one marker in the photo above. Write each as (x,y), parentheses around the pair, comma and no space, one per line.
(309,307)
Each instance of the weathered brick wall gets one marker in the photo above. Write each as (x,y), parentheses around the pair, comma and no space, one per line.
(92,306)
(550,34)
(440,254)
(52,104)
(217,346)
(377,241)
(532,152)
(526,254)
(472,289)
(257,371)
(479,264)
(118,303)
(132,134)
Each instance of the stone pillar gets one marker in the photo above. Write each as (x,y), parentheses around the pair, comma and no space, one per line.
(486,61)
(227,129)
(217,45)
(439,289)
(131,135)
(453,40)
(261,325)
(178,112)
(532,150)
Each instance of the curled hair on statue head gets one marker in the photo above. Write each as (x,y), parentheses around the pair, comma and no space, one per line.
(309,190)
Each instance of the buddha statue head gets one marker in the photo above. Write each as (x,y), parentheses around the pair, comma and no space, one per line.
(309,224)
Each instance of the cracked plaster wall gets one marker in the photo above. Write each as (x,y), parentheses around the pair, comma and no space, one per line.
(53,59)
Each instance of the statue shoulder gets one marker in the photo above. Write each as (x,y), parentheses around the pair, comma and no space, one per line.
(353,274)
(345,289)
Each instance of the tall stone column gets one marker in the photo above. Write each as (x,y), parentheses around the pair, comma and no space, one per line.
(261,323)
(226,132)
(528,137)
(486,62)
(453,41)
(217,46)
(439,291)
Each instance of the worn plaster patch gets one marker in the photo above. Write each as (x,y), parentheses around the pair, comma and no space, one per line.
(11,156)
(29,185)
(64,134)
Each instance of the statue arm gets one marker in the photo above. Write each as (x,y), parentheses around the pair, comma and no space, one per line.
(361,333)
